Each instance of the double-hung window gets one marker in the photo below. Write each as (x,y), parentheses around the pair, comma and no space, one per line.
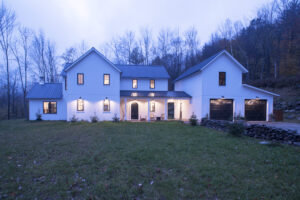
(49,107)
(80,78)
(222,78)
(106,79)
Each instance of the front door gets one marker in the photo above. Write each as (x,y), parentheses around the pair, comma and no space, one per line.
(134,111)
(171,110)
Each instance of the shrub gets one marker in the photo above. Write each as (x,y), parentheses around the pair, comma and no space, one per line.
(116,118)
(94,119)
(38,116)
(236,129)
(193,120)
(74,119)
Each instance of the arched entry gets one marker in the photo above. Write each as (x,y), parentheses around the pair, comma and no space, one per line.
(134,111)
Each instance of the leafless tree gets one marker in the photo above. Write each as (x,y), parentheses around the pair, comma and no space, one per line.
(7,25)
(51,66)
(146,44)
(38,54)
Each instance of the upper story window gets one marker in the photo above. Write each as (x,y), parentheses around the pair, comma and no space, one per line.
(80,104)
(106,79)
(49,107)
(80,78)
(134,83)
(222,78)
(152,84)
(66,83)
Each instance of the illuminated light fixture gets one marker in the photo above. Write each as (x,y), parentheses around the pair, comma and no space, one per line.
(106,104)
(151,94)
(134,94)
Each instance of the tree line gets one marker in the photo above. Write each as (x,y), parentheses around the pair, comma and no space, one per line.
(268,46)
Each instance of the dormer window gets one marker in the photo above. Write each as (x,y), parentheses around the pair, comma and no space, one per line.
(134,83)
(152,84)
(106,79)
(80,78)
(222,78)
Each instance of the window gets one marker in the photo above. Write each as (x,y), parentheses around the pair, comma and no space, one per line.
(66,83)
(106,79)
(152,106)
(134,83)
(152,84)
(80,104)
(106,106)
(222,78)
(80,79)
(49,107)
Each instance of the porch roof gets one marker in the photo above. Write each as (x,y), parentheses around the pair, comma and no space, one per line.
(152,94)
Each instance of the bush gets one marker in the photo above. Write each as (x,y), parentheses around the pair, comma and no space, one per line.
(236,129)
(38,116)
(94,119)
(193,120)
(116,118)
(74,119)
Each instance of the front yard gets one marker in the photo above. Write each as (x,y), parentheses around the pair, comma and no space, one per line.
(161,160)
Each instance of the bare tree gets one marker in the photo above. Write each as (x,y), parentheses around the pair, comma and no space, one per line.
(38,54)
(146,44)
(226,31)
(7,25)
(127,44)
(20,51)
(51,66)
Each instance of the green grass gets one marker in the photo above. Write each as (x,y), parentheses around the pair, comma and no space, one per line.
(55,160)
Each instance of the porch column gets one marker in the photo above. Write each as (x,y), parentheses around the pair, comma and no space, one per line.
(148,109)
(166,109)
(125,103)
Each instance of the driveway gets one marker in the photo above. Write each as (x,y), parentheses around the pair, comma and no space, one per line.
(283,125)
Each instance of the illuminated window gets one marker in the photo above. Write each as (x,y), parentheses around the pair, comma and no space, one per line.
(49,107)
(134,83)
(152,106)
(152,84)
(80,104)
(106,79)
(80,79)
(222,78)
(106,105)
(134,94)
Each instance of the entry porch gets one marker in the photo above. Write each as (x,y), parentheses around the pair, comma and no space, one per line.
(154,106)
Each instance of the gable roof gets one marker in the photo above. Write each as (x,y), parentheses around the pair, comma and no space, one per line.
(202,65)
(68,66)
(143,71)
(261,90)
(45,91)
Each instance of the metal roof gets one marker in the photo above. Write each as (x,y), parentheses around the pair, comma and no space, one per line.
(261,90)
(204,63)
(152,94)
(143,71)
(45,91)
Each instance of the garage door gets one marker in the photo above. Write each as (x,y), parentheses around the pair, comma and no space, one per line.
(255,110)
(221,109)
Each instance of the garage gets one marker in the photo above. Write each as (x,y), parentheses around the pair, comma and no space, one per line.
(255,110)
(221,109)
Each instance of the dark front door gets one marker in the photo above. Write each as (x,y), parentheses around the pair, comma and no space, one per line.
(255,110)
(221,109)
(134,111)
(171,110)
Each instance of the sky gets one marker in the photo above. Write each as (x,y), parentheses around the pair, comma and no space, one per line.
(68,22)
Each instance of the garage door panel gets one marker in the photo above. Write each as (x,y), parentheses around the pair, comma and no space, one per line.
(221,109)
(255,110)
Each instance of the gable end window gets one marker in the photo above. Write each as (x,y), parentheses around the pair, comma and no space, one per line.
(222,78)
(152,84)
(134,83)
(80,104)
(49,107)
(106,79)
(80,78)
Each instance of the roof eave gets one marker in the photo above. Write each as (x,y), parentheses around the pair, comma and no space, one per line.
(261,90)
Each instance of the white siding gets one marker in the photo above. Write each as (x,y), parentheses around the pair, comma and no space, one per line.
(36,106)
(144,84)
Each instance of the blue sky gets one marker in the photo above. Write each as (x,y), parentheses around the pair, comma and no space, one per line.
(68,22)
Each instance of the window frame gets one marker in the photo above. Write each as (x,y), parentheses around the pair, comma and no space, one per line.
(220,80)
(48,108)
(82,105)
(136,83)
(104,79)
(108,106)
(78,78)
(153,84)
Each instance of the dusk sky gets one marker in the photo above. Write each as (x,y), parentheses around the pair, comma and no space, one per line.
(68,22)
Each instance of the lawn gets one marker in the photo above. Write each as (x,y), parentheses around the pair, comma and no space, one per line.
(160,160)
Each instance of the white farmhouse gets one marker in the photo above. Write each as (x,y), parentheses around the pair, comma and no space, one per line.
(93,86)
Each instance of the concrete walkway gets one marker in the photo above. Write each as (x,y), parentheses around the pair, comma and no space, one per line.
(283,125)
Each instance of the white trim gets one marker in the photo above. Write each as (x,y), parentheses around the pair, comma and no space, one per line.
(86,54)
(261,90)
(230,56)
